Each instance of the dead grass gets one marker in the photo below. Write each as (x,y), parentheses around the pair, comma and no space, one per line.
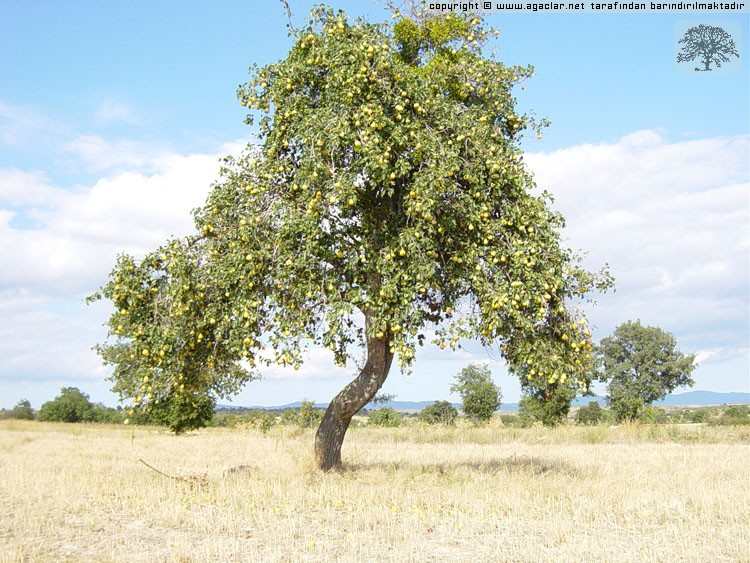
(79,493)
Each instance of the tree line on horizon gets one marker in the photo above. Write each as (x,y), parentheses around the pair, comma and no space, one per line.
(640,365)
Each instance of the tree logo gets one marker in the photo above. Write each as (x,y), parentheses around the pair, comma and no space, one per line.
(708,44)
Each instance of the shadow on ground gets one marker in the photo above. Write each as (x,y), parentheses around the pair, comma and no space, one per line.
(523,465)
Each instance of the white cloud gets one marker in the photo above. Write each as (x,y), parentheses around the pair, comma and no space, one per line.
(20,188)
(100,155)
(671,218)
(116,111)
(672,221)
(59,243)
(21,124)
(72,235)
(318,364)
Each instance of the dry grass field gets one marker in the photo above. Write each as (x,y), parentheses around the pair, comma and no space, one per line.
(80,493)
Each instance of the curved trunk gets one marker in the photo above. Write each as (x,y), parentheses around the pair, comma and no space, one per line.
(335,422)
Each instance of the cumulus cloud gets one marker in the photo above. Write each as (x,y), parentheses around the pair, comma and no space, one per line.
(670,217)
(62,238)
(672,221)
(59,242)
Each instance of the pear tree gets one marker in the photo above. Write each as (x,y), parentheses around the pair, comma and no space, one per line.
(387,195)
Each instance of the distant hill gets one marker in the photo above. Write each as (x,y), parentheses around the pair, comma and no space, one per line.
(706,398)
(693,398)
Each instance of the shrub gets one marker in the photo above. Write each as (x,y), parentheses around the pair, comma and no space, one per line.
(289,417)
(592,414)
(71,405)
(653,415)
(107,415)
(441,412)
(384,417)
(510,420)
(22,411)
(550,409)
(308,415)
(736,415)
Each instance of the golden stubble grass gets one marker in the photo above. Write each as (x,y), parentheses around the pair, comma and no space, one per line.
(80,493)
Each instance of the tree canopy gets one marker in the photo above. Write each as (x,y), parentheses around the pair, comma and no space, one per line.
(387,193)
(641,365)
(480,395)
(71,405)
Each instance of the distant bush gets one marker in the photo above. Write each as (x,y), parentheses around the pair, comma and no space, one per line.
(510,420)
(550,410)
(384,417)
(261,419)
(698,415)
(22,411)
(107,415)
(653,415)
(735,415)
(71,405)
(591,415)
(441,412)
(548,406)
(309,417)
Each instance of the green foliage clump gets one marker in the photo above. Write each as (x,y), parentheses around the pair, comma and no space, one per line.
(641,365)
(479,394)
(653,415)
(441,412)
(385,416)
(308,416)
(549,405)
(699,415)
(261,419)
(71,405)
(181,413)
(510,420)
(735,415)
(591,414)
(22,411)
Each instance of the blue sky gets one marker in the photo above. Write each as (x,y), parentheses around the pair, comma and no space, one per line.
(113,117)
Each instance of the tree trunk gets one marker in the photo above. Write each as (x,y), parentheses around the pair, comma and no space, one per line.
(335,422)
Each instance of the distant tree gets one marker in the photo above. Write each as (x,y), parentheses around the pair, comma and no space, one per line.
(71,405)
(641,365)
(735,415)
(108,415)
(384,417)
(709,44)
(308,416)
(22,411)
(479,394)
(653,415)
(441,412)
(591,414)
(549,405)
(699,415)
